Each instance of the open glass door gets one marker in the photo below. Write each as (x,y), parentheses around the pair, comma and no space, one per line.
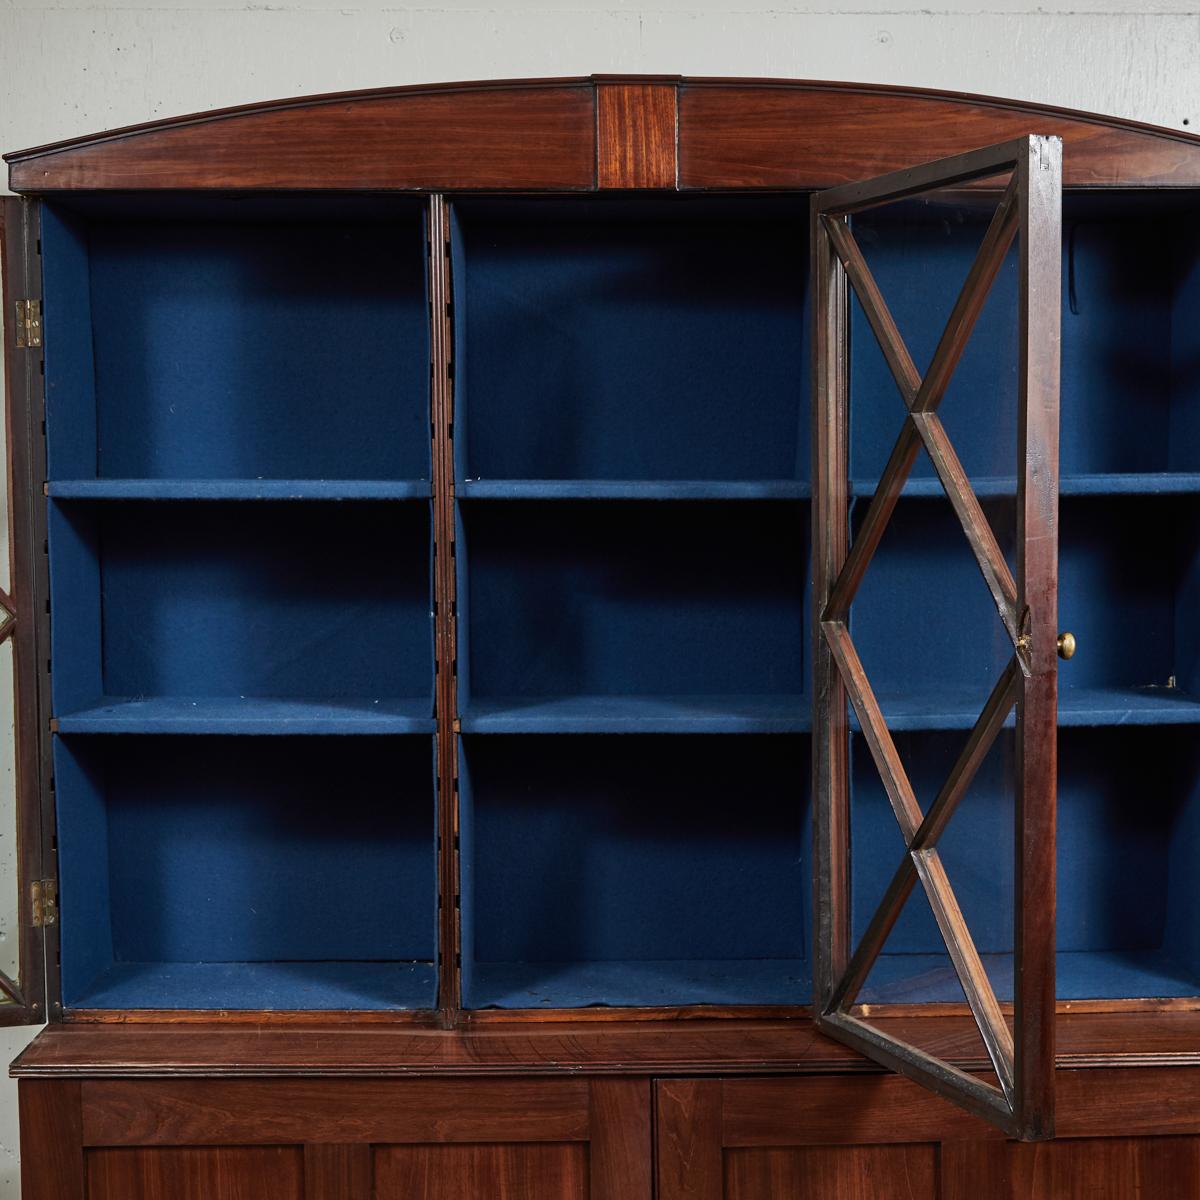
(27,894)
(1022,584)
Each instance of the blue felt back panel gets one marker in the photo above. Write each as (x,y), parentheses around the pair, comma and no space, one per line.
(631,847)
(924,620)
(311,600)
(919,254)
(242,849)
(641,598)
(1130,390)
(601,340)
(1121,816)
(68,362)
(237,338)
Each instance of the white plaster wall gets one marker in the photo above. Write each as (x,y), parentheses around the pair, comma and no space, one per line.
(76,66)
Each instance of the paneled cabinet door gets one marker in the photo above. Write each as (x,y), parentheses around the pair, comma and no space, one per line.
(28,898)
(1019,580)
(887,1138)
(313,1139)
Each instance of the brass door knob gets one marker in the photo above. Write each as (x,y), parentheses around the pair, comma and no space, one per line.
(1066,645)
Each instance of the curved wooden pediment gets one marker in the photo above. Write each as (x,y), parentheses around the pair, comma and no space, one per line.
(591,133)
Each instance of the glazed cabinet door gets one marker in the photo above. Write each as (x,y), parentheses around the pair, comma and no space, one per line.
(28,902)
(878,672)
(350,1139)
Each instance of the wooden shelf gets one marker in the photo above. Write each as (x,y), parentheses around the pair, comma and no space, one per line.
(633,489)
(264,986)
(239,489)
(232,715)
(987,487)
(639,714)
(950,708)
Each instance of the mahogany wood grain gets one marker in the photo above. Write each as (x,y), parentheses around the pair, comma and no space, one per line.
(211,1111)
(541,134)
(833,1173)
(688,1139)
(1123,1039)
(830,541)
(445,610)
(20,279)
(1039,175)
(636,135)
(621,1154)
(973,1170)
(782,134)
(841,1111)
(51,1139)
(495,1172)
(499,137)
(337,1171)
(197,1173)
(1087,1169)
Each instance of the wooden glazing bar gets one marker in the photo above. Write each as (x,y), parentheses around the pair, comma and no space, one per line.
(911,181)
(879,512)
(830,536)
(977,988)
(445,610)
(991,721)
(1040,174)
(886,914)
(971,298)
(932,386)
(879,317)
(939,1076)
(875,730)
(976,526)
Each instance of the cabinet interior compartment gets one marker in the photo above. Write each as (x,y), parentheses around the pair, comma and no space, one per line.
(623,615)
(635,870)
(247,612)
(1130,392)
(246,873)
(225,338)
(631,340)
(1129,581)
(1128,830)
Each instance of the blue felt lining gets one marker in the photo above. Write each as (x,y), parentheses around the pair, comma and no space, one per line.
(327,602)
(632,489)
(1129,389)
(574,600)
(590,851)
(929,636)
(1123,898)
(237,338)
(238,715)
(608,340)
(370,986)
(640,714)
(239,489)
(189,851)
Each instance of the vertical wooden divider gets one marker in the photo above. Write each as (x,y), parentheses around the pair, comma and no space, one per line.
(830,545)
(441,356)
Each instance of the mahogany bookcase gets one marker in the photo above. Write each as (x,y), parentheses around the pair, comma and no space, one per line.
(540,612)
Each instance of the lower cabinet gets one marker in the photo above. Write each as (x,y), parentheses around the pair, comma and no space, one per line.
(883,1138)
(455,1139)
(1125,1134)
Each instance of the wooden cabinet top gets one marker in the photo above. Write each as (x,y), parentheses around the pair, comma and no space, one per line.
(586,134)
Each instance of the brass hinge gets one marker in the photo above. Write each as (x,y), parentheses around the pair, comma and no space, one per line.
(29,324)
(44,902)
